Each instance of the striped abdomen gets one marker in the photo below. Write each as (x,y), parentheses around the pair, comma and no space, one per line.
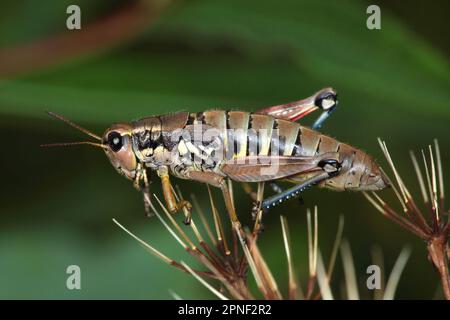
(249,134)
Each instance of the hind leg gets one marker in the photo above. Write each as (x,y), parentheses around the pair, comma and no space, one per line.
(322,118)
(293,191)
(252,193)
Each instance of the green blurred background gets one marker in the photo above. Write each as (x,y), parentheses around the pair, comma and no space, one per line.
(133,59)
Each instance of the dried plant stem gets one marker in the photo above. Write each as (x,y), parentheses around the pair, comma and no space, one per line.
(203,219)
(337,243)
(162,256)
(324,281)
(174,295)
(397,270)
(377,259)
(232,272)
(176,226)
(440,174)
(293,286)
(218,224)
(266,276)
(349,271)
(437,249)
(252,266)
(207,285)
(435,231)
(312,251)
(258,218)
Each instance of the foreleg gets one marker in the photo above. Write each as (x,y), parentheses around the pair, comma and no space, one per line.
(171,202)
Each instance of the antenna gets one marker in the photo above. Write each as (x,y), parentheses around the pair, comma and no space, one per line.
(69,144)
(73,125)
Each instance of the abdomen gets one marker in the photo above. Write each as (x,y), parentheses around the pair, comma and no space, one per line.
(249,134)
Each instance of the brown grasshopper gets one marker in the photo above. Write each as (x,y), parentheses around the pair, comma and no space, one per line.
(214,145)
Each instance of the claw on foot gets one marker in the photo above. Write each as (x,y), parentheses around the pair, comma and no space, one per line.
(255,209)
(186,204)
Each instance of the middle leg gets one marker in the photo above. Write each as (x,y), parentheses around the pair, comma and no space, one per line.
(219,182)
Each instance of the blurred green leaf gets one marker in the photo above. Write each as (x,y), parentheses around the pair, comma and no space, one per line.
(327,40)
(22,21)
(292,45)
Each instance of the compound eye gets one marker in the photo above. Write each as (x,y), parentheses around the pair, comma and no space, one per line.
(326,100)
(115,141)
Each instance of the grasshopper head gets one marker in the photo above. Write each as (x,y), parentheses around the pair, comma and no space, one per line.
(119,149)
(116,142)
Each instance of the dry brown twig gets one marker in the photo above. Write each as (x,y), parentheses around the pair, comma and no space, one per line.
(230,260)
(435,229)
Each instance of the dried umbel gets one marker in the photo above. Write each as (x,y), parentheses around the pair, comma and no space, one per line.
(230,262)
(431,225)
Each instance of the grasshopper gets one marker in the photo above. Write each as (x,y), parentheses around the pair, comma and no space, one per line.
(216,145)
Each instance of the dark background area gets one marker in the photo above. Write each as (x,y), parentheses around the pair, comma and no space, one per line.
(57,204)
